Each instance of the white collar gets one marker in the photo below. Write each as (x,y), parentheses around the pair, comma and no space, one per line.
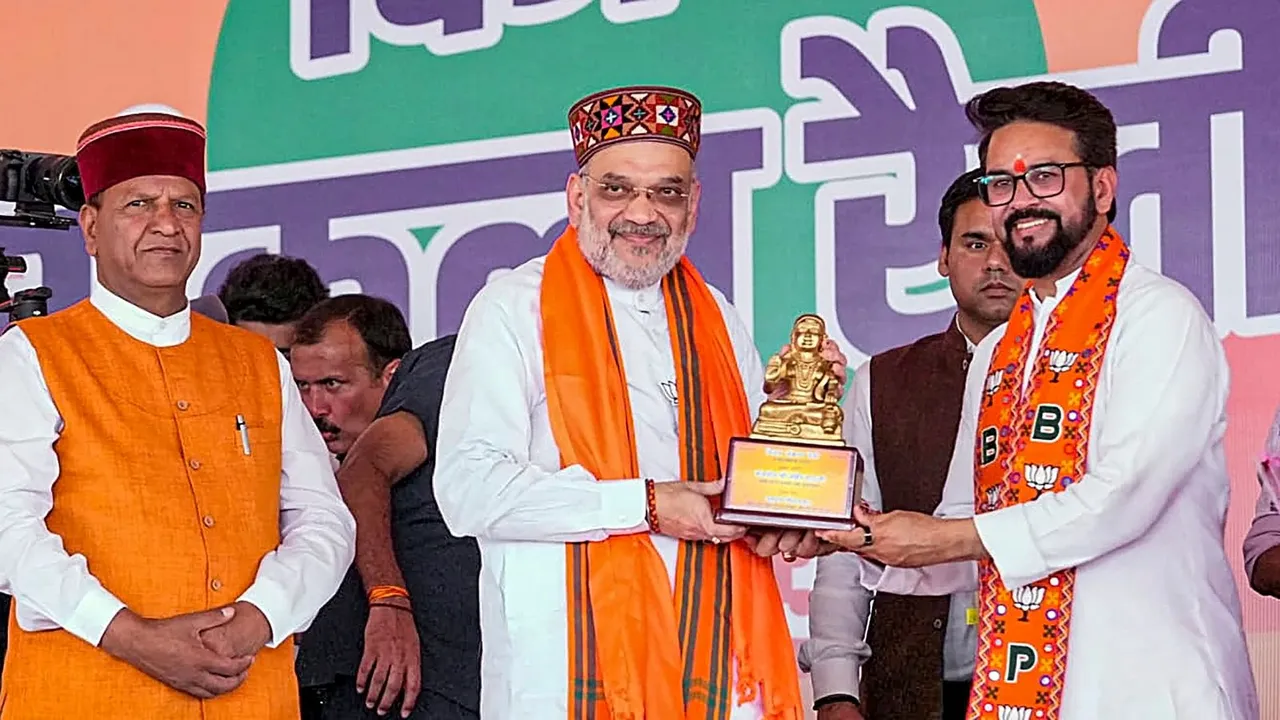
(967,342)
(141,324)
(647,299)
(1061,286)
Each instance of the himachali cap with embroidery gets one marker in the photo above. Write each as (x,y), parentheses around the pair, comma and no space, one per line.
(619,115)
(129,146)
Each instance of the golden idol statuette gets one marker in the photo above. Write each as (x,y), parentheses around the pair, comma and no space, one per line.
(795,469)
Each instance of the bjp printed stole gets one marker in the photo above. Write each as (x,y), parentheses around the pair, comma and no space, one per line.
(1033,439)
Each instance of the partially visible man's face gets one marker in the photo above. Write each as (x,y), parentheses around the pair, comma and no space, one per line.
(280,335)
(338,386)
(145,234)
(977,267)
(634,240)
(1038,233)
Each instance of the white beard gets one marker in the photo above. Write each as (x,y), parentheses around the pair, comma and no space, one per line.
(598,248)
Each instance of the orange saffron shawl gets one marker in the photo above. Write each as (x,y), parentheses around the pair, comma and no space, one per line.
(635,651)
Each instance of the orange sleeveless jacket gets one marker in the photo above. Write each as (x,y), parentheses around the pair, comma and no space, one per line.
(157,494)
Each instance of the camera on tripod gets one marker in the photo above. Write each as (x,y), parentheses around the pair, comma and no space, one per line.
(32,302)
(35,183)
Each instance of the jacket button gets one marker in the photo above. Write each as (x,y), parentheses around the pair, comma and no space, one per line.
(183,405)
(216,584)
(937,624)
(208,521)
(195,464)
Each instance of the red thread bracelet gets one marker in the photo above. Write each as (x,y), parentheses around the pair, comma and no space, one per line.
(651,513)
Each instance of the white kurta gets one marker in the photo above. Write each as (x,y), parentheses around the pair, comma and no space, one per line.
(52,589)
(1156,626)
(498,476)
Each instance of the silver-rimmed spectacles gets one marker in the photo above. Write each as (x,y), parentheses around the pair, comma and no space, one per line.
(617,191)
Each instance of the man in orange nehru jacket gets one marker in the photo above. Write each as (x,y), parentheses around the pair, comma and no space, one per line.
(168,514)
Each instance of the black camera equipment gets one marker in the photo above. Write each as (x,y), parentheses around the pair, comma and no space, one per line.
(32,302)
(35,183)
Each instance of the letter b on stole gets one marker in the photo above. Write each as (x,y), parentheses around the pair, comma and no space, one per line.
(1047,426)
(988,445)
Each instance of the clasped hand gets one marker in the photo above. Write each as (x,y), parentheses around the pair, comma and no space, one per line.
(203,654)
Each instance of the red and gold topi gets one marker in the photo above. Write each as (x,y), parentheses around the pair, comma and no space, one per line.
(130,146)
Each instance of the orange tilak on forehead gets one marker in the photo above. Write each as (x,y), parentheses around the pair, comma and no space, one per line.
(1019,165)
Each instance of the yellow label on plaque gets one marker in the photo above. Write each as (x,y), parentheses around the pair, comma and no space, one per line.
(777,478)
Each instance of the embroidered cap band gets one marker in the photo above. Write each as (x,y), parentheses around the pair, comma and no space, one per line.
(608,117)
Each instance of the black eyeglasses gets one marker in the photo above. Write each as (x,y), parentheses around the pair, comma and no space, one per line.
(1043,181)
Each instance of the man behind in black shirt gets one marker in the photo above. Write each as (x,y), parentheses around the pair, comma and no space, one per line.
(422,651)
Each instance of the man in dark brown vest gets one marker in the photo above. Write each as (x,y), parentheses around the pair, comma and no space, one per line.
(916,654)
